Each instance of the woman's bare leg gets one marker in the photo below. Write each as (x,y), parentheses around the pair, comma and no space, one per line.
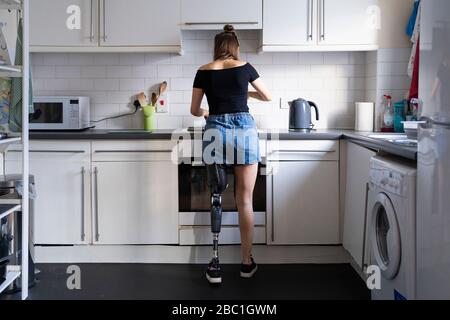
(245,183)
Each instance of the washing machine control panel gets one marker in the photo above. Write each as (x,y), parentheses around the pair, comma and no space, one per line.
(391,181)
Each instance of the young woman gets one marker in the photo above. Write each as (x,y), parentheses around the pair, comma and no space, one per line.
(225,83)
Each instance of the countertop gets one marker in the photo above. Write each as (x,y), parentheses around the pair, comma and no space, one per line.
(361,138)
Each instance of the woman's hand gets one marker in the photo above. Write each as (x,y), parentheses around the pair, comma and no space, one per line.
(205,113)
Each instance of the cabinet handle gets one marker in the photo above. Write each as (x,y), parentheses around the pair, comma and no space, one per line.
(104,21)
(82,204)
(272,206)
(310,19)
(133,151)
(97,235)
(222,23)
(303,151)
(91,34)
(363,264)
(50,151)
(322,19)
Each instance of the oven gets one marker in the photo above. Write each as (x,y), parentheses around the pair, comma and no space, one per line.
(195,205)
(194,194)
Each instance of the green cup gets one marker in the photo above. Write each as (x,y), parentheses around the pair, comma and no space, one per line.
(149,118)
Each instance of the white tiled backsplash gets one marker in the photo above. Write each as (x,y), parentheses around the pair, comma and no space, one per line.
(333,80)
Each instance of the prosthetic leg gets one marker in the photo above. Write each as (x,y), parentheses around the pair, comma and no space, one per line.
(217,182)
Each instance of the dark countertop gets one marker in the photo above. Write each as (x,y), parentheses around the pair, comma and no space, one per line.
(361,138)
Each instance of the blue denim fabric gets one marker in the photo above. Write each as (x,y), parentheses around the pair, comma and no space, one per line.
(231,139)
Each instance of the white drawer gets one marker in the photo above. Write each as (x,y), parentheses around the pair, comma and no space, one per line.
(129,150)
(228,235)
(228,218)
(303,150)
(52,150)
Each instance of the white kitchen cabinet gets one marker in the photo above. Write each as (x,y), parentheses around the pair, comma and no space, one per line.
(62,205)
(348,22)
(320,25)
(214,14)
(303,192)
(135,23)
(105,26)
(49,21)
(289,22)
(135,193)
(357,177)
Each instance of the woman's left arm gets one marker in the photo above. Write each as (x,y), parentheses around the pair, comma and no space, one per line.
(197,97)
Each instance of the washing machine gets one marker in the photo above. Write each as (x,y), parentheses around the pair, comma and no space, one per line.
(391,225)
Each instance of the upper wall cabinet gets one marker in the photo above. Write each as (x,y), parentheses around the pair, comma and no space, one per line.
(214,14)
(320,25)
(105,25)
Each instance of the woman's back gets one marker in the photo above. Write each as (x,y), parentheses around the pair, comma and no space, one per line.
(225,83)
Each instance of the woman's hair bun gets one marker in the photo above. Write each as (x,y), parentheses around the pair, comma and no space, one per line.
(228,28)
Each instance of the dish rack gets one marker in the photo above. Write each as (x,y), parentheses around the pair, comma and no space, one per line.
(19,206)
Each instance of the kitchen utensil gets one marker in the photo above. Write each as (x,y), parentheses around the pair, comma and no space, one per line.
(142,99)
(364,116)
(154,99)
(162,88)
(300,114)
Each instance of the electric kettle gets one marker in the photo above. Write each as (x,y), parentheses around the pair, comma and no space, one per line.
(300,114)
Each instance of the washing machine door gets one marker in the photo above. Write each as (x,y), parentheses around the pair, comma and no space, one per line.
(385,236)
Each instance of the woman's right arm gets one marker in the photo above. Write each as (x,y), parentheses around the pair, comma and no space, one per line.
(197,97)
(261,93)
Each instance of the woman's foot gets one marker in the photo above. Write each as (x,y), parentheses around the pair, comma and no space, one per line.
(248,270)
(213,273)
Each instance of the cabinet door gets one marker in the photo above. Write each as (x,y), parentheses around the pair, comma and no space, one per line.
(358,167)
(54,23)
(348,22)
(135,202)
(213,14)
(61,207)
(140,23)
(305,203)
(289,22)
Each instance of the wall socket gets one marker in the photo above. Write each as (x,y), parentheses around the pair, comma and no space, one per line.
(284,103)
(162,105)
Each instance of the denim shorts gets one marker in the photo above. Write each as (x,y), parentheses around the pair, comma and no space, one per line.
(231,139)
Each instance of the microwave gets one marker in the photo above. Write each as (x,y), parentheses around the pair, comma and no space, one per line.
(60,113)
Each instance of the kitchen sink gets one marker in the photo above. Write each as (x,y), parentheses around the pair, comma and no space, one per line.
(399,139)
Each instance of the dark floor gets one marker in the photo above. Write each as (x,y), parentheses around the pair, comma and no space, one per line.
(187,282)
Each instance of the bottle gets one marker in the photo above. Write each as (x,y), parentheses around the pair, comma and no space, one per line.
(388,114)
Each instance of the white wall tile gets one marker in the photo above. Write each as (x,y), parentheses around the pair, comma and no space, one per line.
(132,84)
(170,71)
(131,59)
(285,58)
(311,58)
(93,71)
(169,122)
(81,84)
(68,72)
(105,110)
(262,58)
(147,71)
(44,72)
(323,71)
(106,84)
(106,59)
(121,96)
(182,83)
(336,58)
(115,72)
(56,59)
(81,59)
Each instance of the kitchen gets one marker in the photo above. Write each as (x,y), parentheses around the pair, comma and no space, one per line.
(129,190)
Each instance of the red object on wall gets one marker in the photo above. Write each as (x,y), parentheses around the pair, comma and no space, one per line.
(414,89)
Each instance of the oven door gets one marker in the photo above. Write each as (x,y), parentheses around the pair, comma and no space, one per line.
(50,113)
(195,196)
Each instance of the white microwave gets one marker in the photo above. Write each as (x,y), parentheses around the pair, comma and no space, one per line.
(60,113)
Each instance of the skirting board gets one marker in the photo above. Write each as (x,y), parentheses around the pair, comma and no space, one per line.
(188,254)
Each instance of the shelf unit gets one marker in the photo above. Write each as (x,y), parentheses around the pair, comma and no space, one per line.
(10,206)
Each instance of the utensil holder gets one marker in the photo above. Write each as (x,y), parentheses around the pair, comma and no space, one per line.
(149,117)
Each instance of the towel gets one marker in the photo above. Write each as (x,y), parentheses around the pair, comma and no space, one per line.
(412,19)
(15,110)
(415,40)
